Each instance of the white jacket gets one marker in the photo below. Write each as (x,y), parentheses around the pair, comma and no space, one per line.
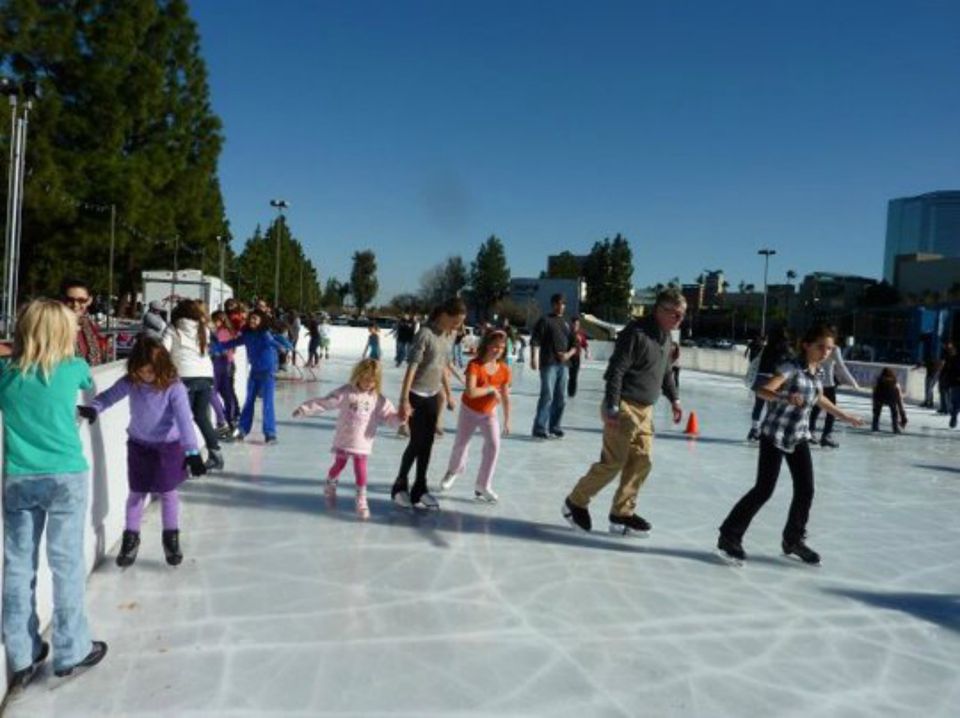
(183,343)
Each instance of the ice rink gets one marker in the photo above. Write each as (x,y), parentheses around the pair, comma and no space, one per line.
(287,606)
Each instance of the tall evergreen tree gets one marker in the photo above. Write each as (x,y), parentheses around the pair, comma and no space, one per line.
(125,120)
(620,283)
(565,266)
(489,275)
(363,279)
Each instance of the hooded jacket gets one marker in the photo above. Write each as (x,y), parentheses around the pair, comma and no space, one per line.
(261,346)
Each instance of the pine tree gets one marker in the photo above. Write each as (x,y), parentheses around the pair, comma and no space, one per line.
(125,120)
(363,279)
(489,275)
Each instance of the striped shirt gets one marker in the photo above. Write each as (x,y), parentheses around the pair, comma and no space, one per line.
(786,424)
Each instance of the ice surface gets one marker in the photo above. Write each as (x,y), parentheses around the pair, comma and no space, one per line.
(284,606)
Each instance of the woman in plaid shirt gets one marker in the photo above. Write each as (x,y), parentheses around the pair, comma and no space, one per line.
(785,434)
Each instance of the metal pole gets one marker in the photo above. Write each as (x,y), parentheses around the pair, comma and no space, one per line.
(223,277)
(766,264)
(8,234)
(173,284)
(276,276)
(22,125)
(113,236)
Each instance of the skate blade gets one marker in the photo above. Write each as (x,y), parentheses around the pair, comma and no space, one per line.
(628,533)
(729,560)
(797,559)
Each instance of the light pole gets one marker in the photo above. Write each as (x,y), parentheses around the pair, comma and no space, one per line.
(766,265)
(222,241)
(19,123)
(280,205)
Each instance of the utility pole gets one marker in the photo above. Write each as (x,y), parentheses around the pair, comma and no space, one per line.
(767,253)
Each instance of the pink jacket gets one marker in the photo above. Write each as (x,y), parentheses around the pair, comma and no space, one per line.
(361,412)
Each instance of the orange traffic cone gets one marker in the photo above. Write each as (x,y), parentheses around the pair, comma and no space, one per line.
(693,426)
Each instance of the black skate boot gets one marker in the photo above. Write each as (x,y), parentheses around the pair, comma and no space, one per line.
(128,549)
(731,550)
(801,551)
(754,435)
(578,518)
(171,547)
(629,526)
(827,442)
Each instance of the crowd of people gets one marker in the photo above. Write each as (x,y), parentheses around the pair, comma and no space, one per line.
(182,369)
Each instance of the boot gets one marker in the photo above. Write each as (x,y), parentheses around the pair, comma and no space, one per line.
(363,510)
(171,547)
(215,460)
(128,549)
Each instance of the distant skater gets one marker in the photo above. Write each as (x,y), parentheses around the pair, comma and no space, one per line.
(791,393)
(887,393)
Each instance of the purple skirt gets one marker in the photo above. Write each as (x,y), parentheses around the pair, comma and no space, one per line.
(155,468)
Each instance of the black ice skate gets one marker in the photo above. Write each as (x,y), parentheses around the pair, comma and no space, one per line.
(578,518)
(801,551)
(630,526)
(128,549)
(730,550)
(171,547)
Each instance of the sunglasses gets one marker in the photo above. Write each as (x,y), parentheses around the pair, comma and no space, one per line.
(76,300)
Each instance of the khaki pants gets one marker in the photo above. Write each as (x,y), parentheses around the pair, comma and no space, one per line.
(627,449)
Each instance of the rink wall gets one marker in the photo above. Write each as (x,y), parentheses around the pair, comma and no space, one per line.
(350,341)
(104,444)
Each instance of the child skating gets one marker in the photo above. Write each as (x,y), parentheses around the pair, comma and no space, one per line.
(887,393)
(262,347)
(488,384)
(785,434)
(161,443)
(362,409)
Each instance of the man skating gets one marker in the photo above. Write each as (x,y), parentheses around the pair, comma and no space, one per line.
(638,372)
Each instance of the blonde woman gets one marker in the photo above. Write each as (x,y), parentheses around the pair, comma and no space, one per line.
(45,484)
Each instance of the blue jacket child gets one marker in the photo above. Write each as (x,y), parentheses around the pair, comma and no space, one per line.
(262,347)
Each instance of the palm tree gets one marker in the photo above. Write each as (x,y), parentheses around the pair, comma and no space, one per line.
(791,276)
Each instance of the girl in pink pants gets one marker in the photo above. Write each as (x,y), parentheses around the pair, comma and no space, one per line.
(362,409)
(488,384)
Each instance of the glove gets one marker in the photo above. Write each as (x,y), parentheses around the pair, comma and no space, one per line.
(88,413)
(195,463)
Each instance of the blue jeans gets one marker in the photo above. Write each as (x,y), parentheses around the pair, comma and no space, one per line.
(262,383)
(553,387)
(458,355)
(58,501)
(402,349)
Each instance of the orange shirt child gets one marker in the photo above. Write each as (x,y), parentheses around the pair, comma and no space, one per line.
(501,377)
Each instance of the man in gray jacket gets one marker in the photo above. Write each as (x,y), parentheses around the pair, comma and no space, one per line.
(154,321)
(637,373)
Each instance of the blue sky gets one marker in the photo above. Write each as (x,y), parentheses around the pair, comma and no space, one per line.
(702,131)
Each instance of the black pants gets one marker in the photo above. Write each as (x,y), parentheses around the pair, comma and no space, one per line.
(199,390)
(423,424)
(573,371)
(768,469)
(894,414)
(758,405)
(676,376)
(831,393)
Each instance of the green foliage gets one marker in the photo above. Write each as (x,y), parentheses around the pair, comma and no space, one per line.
(565,266)
(609,275)
(443,281)
(489,275)
(363,279)
(125,120)
(257,266)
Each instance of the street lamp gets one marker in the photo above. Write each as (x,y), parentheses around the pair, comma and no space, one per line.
(280,205)
(766,265)
(19,122)
(222,241)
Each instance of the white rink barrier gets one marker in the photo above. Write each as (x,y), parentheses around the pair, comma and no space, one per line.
(105,446)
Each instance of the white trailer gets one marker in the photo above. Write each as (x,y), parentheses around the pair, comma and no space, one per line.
(168,288)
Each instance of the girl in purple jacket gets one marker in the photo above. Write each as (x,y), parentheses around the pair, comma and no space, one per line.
(161,442)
